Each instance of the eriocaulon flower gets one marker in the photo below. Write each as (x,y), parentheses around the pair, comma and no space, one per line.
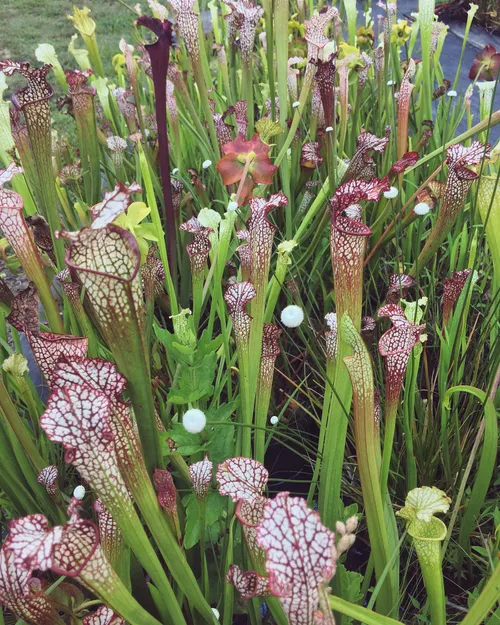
(292,316)
(194,421)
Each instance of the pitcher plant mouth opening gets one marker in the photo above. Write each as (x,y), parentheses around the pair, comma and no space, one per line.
(249,304)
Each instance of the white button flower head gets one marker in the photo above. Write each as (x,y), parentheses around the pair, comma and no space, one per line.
(79,492)
(390,83)
(421,208)
(206,164)
(292,316)
(452,93)
(296,104)
(232,206)
(391,194)
(194,421)
(175,170)
(216,613)
(274,420)
(329,129)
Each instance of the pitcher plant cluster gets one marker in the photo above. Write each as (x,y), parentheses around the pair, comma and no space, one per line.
(255,350)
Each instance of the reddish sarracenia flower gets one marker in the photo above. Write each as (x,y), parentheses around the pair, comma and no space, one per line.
(486,64)
(249,158)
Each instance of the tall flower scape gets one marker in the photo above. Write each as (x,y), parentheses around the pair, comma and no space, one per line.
(250,350)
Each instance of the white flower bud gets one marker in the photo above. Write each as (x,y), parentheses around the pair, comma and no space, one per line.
(175,171)
(452,93)
(194,421)
(79,492)
(292,316)
(274,420)
(421,208)
(329,129)
(391,194)
(206,164)
(296,104)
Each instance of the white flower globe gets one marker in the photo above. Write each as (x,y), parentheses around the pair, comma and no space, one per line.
(274,420)
(216,613)
(79,492)
(421,208)
(392,193)
(292,316)
(194,421)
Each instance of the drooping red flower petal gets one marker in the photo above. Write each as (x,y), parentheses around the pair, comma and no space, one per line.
(300,555)
(242,478)
(201,476)
(248,583)
(407,160)
(486,64)
(103,616)
(115,203)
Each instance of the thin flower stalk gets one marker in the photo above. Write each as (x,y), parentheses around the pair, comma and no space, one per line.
(15,229)
(458,183)
(33,101)
(82,97)
(360,372)
(159,53)
(270,351)
(427,533)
